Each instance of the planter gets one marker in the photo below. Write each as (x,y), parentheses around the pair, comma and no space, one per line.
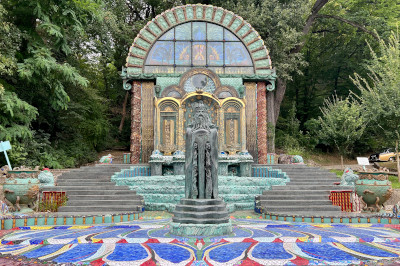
(22,190)
(373,192)
(373,175)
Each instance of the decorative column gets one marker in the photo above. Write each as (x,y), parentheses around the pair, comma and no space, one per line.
(262,122)
(270,120)
(135,121)
(147,122)
(251,118)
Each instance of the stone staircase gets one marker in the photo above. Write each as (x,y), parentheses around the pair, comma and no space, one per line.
(90,190)
(307,193)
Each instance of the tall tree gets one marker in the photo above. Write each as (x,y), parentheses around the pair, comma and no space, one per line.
(380,91)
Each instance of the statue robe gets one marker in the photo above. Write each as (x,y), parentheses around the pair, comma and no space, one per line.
(201,164)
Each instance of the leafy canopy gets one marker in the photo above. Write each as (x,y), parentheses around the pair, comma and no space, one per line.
(342,123)
(380,92)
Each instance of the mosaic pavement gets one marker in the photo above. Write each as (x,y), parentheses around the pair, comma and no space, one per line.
(253,242)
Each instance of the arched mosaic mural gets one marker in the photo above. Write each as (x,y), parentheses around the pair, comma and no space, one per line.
(191,53)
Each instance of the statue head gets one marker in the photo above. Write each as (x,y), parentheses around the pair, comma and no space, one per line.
(201,118)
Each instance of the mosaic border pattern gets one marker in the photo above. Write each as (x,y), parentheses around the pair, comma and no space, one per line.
(178,15)
(8,223)
(329,219)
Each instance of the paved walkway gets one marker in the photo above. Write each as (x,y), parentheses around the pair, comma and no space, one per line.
(253,242)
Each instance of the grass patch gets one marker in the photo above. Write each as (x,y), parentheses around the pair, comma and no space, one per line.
(395,181)
(330,159)
(338,173)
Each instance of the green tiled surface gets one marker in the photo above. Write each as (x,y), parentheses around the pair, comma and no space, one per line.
(79,220)
(89,220)
(107,219)
(117,218)
(40,221)
(70,221)
(19,222)
(30,222)
(50,221)
(8,224)
(60,220)
(373,220)
(99,219)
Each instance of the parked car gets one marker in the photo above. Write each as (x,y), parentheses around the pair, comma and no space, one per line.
(384,156)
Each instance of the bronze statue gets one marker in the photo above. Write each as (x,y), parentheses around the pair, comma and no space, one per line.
(201,162)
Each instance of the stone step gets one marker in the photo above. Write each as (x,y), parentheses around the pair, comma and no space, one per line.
(127,197)
(310,187)
(304,193)
(316,179)
(82,187)
(99,192)
(293,197)
(195,208)
(104,208)
(88,174)
(83,179)
(91,203)
(294,209)
(201,202)
(299,203)
(88,184)
(311,176)
(201,215)
(316,183)
(188,220)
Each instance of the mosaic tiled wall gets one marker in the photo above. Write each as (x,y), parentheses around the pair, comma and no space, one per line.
(216,15)
(234,82)
(147,120)
(167,81)
(136,121)
(251,118)
(262,122)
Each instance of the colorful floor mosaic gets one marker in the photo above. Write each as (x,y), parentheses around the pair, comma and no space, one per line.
(253,242)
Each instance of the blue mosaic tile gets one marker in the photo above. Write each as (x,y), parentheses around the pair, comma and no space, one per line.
(128,252)
(42,251)
(78,253)
(323,251)
(365,248)
(138,234)
(228,252)
(170,252)
(270,251)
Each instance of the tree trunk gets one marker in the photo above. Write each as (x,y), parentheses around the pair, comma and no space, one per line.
(280,90)
(341,159)
(397,159)
(121,125)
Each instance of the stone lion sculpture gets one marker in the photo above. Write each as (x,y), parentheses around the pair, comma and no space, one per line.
(349,178)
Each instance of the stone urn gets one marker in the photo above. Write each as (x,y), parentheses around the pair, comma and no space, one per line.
(374,189)
(22,191)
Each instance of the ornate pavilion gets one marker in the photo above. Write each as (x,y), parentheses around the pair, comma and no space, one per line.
(198,53)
